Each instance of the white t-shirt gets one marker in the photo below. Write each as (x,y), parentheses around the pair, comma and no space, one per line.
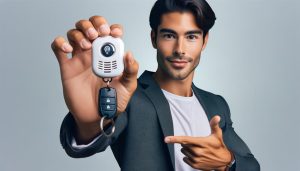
(189,119)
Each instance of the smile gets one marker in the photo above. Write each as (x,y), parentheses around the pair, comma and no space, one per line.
(179,64)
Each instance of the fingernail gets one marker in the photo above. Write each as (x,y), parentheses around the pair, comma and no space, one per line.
(66,47)
(116,31)
(85,44)
(167,140)
(104,29)
(130,60)
(92,33)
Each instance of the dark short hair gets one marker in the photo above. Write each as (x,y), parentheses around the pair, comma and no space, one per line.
(205,16)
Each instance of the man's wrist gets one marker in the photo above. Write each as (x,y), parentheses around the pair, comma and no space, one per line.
(232,162)
(85,133)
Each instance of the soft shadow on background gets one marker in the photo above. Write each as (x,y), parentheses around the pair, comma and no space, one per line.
(252,59)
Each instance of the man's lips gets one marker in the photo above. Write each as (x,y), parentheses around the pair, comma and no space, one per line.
(178,63)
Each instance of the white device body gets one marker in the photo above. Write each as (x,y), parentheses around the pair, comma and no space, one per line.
(108,66)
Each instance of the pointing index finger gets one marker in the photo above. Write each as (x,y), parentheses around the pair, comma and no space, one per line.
(183,140)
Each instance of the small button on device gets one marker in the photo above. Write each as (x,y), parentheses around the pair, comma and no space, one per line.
(108,100)
(108,107)
(108,49)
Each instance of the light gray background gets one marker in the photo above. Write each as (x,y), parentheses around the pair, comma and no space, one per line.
(252,59)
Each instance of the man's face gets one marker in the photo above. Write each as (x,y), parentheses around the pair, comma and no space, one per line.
(179,42)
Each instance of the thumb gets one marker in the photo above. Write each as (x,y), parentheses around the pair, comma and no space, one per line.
(130,71)
(214,124)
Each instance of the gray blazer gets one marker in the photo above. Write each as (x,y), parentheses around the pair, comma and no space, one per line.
(138,142)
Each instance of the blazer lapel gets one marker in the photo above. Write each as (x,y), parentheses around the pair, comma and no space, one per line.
(209,105)
(200,99)
(153,91)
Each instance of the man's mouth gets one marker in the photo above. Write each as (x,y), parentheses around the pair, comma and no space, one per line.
(178,63)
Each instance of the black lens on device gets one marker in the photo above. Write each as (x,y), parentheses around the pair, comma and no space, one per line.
(108,49)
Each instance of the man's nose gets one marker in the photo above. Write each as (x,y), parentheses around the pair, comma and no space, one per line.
(179,48)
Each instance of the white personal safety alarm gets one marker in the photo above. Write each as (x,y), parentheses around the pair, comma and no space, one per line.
(108,55)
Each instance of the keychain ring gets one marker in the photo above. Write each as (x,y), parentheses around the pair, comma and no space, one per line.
(107,81)
(102,130)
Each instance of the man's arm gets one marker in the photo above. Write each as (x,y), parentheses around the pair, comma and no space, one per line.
(81,85)
(244,159)
(68,131)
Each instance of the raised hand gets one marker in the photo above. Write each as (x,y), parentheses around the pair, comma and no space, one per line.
(80,84)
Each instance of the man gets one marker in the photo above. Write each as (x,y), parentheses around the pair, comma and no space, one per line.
(164,121)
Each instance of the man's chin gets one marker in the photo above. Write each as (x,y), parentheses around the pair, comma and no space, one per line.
(178,75)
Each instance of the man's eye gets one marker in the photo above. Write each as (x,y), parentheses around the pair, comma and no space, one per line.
(168,36)
(192,37)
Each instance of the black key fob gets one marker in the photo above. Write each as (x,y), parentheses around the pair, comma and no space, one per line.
(108,102)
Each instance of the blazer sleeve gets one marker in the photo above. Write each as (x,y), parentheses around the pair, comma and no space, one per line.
(244,159)
(67,131)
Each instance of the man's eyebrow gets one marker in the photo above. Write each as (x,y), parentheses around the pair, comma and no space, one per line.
(194,32)
(166,30)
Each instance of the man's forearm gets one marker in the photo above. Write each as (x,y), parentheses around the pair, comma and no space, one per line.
(85,133)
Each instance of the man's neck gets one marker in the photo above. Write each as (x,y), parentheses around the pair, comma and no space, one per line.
(178,87)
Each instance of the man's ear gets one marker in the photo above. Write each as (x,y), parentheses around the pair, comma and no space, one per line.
(153,39)
(205,41)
